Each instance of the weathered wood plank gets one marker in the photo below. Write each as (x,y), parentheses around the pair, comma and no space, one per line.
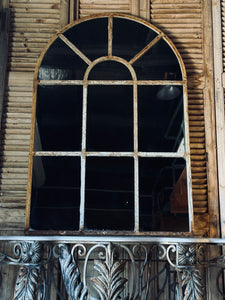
(175,2)
(175,5)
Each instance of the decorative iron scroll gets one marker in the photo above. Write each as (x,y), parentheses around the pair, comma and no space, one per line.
(109,271)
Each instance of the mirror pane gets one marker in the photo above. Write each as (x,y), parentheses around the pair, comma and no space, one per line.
(110,118)
(160,118)
(58,118)
(55,195)
(163,194)
(109,193)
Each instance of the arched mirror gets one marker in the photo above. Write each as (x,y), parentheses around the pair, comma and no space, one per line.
(110,144)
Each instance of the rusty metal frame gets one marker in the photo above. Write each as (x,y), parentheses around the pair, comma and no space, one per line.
(135,154)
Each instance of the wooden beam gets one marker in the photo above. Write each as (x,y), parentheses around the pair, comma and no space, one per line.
(210,126)
(64,12)
(135,8)
(219,107)
(145,9)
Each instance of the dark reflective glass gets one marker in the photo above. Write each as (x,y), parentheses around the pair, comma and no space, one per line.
(160,118)
(90,37)
(59,118)
(60,62)
(163,194)
(110,118)
(109,193)
(55,196)
(130,37)
(158,63)
(110,70)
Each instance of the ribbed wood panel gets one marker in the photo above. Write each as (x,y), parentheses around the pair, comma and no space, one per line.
(182,22)
(32,25)
(14,153)
(88,7)
(223,30)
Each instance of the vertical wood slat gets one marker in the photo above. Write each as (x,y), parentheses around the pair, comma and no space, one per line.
(182,22)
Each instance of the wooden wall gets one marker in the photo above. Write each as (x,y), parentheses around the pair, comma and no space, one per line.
(34,22)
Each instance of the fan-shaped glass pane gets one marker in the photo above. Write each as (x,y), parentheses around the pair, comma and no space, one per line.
(158,63)
(61,63)
(110,70)
(130,37)
(90,37)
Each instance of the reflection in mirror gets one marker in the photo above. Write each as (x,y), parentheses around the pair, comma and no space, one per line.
(109,193)
(110,118)
(158,63)
(58,118)
(55,195)
(160,118)
(60,62)
(163,194)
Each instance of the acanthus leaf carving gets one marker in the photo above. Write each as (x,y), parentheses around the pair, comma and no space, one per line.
(108,283)
(26,283)
(71,275)
(192,281)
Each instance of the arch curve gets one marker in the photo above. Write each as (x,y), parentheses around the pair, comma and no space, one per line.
(69,35)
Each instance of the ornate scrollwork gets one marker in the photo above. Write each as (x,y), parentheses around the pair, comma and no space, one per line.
(118,271)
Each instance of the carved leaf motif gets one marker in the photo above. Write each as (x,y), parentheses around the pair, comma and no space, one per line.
(194,290)
(26,283)
(71,276)
(108,284)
